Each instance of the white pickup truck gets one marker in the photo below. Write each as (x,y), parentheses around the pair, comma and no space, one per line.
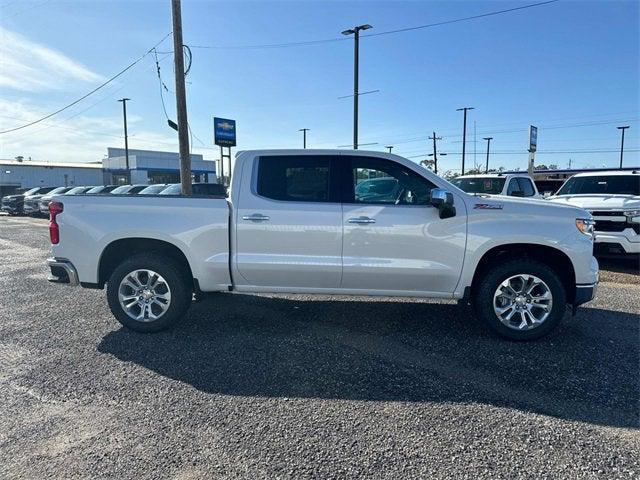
(296,221)
(613,198)
(506,184)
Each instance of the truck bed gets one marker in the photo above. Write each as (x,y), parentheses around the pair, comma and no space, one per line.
(198,226)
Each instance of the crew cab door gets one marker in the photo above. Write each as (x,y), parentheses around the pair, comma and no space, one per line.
(289,223)
(394,240)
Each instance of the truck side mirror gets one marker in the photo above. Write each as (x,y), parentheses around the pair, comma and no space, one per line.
(443,201)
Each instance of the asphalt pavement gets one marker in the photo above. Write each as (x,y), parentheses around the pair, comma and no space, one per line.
(289,386)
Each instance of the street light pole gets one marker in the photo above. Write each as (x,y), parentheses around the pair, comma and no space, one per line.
(390,147)
(126,137)
(304,136)
(488,139)
(464,133)
(622,144)
(355,31)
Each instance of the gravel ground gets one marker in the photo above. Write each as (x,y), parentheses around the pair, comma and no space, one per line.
(293,387)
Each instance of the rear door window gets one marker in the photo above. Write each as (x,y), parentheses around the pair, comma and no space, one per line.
(297,178)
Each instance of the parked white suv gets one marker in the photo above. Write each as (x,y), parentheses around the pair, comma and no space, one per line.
(507,184)
(613,198)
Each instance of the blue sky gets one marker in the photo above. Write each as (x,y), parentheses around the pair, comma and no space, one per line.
(559,66)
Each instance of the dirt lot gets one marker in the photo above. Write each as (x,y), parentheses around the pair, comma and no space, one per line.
(293,387)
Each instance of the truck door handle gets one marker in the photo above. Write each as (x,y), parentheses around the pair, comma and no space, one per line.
(361,220)
(256,217)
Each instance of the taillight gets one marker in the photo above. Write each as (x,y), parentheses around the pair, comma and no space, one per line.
(55,208)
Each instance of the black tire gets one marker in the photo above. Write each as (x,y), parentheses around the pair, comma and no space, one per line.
(483,298)
(179,283)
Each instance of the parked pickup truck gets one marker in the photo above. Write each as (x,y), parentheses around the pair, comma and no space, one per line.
(507,184)
(613,198)
(296,222)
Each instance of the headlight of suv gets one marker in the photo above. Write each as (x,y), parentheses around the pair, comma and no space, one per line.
(632,216)
(585,225)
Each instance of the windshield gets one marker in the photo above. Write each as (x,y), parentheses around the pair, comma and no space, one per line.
(490,186)
(100,189)
(31,192)
(121,189)
(602,184)
(57,190)
(76,190)
(174,189)
(152,189)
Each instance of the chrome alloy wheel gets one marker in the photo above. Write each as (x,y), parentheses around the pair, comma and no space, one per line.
(144,295)
(522,302)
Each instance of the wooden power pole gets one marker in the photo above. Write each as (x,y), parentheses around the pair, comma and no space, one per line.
(181,99)
(435,152)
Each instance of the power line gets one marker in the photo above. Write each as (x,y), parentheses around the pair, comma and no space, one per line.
(91,92)
(517,130)
(106,97)
(389,32)
(464,19)
(555,152)
(161,84)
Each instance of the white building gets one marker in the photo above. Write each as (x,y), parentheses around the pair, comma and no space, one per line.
(149,166)
(16,174)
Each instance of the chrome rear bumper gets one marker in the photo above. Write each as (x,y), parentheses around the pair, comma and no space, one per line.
(62,271)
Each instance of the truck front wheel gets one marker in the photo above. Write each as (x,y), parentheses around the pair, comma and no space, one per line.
(520,299)
(148,292)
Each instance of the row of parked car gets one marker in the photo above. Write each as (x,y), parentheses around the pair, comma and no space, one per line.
(35,202)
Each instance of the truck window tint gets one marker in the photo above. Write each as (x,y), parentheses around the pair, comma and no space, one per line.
(526,187)
(294,179)
(379,181)
(514,188)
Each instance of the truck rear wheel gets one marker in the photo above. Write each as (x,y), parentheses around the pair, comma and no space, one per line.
(148,292)
(520,300)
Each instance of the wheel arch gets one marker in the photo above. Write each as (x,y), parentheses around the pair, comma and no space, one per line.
(554,258)
(118,250)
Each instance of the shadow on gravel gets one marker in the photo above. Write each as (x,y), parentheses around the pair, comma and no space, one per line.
(620,263)
(395,351)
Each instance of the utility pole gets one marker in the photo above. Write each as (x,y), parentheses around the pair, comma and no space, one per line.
(464,133)
(355,31)
(488,139)
(435,153)
(390,147)
(181,98)
(622,144)
(126,137)
(304,136)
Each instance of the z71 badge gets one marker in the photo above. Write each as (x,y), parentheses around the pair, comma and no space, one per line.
(488,206)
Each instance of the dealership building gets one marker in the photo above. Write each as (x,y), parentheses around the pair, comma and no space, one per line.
(148,166)
(145,167)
